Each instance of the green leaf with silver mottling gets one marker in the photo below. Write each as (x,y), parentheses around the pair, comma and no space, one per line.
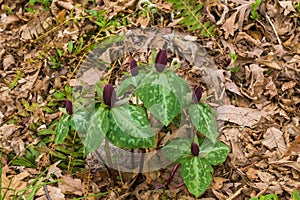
(118,137)
(214,153)
(132,120)
(196,174)
(129,83)
(62,129)
(80,121)
(176,149)
(97,129)
(180,87)
(163,94)
(203,118)
(160,101)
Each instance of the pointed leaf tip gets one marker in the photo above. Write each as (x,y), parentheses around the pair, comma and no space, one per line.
(134,69)
(69,107)
(109,95)
(161,60)
(197,93)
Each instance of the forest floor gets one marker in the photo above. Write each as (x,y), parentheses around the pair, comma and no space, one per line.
(256,54)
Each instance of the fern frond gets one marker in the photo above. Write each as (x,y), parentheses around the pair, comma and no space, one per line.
(190,12)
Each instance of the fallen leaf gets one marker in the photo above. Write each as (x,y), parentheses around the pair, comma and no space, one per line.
(288,7)
(70,185)
(242,116)
(288,85)
(294,147)
(274,139)
(228,26)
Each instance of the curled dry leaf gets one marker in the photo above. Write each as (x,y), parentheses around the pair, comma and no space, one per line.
(274,139)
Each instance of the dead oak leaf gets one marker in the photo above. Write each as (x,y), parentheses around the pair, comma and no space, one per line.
(242,116)
(273,138)
(288,7)
(228,26)
(70,185)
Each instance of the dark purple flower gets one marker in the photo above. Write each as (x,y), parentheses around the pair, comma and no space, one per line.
(197,93)
(195,149)
(134,69)
(109,95)
(69,107)
(161,60)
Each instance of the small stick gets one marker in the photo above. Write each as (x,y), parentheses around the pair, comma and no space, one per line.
(46,192)
(273,27)
(237,193)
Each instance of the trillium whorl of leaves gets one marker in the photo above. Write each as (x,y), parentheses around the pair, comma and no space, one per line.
(197,93)
(134,69)
(109,95)
(161,60)
(195,149)
(69,107)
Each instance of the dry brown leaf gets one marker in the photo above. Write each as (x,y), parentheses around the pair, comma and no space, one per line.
(294,147)
(16,182)
(231,86)
(70,185)
(274,139)
(8,60)
(288,7)
(252,174)
(265,176)
(271,88)
(54,193)
(229,25)
(242,116)
(288,85)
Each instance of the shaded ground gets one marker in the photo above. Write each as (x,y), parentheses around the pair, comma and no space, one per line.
(42,46)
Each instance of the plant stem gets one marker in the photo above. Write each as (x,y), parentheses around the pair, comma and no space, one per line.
(114,177)
(142,161)
(170,177)
(178,185)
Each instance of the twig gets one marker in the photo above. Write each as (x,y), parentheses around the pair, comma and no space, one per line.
(237,193)
(46,192)
(273,27)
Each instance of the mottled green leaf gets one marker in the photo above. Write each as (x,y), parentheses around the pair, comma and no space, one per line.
(97,129)
(196,174)
(80,121)
(176,149)
(132,120)
(129,83)
(122,130)
(214,153)
(203,118)
(62,129)
(163,94)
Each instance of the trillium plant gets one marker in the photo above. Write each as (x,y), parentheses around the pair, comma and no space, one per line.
(156,91)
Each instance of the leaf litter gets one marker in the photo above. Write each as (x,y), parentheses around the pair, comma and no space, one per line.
(261,116)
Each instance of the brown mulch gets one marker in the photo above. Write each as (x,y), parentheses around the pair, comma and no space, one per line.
(260,117)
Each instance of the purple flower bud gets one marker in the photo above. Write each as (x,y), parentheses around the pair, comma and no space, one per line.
(134,69)
(69,107)
(197,93)
(161,60)
(195,149)
(109,95)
